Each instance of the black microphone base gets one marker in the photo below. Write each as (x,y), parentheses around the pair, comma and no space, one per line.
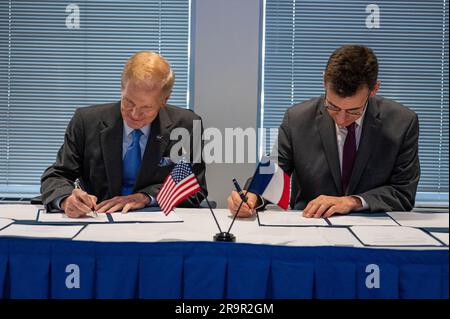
(223,236)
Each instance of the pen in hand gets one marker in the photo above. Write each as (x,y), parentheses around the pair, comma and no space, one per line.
(77,185)
(244,200)
(239,190)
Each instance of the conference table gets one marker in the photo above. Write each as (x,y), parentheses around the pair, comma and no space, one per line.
(179,259)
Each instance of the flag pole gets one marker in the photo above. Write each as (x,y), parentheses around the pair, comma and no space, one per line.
(245,196)
(210,208)
(206,198)
(237,212)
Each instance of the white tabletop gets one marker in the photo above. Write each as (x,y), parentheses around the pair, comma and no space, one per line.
(199,225)
(277,228)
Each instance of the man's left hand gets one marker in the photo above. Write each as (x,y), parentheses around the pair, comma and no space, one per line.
(326,206)
(123,203)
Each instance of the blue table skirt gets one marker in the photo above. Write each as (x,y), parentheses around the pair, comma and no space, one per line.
(37,269)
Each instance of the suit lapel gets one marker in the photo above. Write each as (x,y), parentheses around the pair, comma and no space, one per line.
(156,145)
(111,144)
(327,131)
(369,136)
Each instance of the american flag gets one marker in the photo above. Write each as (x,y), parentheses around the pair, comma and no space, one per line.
(180,184)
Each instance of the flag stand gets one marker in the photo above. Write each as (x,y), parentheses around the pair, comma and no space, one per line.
(227,236)
(221,236)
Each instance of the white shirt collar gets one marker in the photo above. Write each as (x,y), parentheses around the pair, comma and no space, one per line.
(127,130)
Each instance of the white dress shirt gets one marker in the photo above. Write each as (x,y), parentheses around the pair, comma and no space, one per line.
(127,138)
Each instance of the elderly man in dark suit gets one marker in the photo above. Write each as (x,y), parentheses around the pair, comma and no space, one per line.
(349,149)
(121,151)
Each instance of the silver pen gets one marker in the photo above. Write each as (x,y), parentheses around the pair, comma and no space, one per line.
(77,185)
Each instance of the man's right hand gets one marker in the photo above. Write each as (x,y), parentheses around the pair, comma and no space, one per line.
(247,209)
(78,204)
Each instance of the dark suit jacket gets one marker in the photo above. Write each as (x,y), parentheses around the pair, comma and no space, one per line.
(92,151)
(386,169)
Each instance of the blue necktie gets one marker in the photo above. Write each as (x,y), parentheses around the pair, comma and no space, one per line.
(131,163)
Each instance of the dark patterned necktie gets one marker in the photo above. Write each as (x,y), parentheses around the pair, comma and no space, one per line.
(348,156)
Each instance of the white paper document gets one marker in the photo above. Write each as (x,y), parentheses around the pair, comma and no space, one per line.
(423,220)
(142,232)
(153,217)
(283,236)
(40,231)
(63,218)
(393,236)
(358,220)
(443,237)
(5,222)
(338,237)
(290,218)
(299,236)
(19,211)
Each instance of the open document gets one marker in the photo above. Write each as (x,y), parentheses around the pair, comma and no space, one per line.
(423,220)
(63,218)
(149,215)
(146,216)
(5,222)
(299,236)
(443,237)
(362,219)
(290,218)
(40,231)
(142,232)
(393,236)
(20,211)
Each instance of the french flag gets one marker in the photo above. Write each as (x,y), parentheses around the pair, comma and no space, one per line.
(271,183)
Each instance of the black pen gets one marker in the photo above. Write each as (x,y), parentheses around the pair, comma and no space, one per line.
(239,190)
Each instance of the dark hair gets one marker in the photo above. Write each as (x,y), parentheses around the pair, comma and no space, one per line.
(349,68)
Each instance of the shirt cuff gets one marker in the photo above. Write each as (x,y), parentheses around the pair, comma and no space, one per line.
(364,204)
(152,200)
(262,201)
(56,203)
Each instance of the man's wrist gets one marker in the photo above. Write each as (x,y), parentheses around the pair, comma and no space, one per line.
(356,202)
(56,203)
(364,204)
(146,198)
(62,203)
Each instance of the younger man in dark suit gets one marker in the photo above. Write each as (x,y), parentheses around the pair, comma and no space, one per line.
(348,149)
(120,151)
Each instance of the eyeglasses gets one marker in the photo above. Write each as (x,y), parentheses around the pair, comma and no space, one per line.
(352,111)
(129,106)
